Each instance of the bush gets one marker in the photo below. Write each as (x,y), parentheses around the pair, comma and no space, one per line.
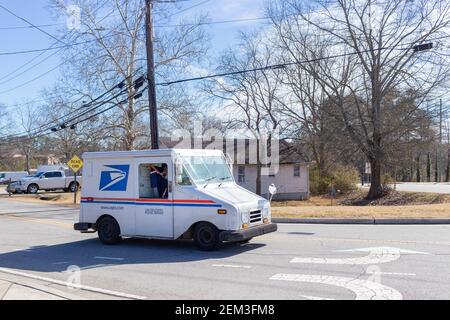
(319,184)
(343,178)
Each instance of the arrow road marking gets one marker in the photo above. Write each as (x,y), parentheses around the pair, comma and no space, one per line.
(231,266)
(377,255)
(363,289)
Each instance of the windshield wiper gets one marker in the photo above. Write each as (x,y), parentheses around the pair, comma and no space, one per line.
(208,180)
(223,180)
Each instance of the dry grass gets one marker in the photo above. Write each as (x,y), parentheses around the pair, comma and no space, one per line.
(417,211)
(394,205)
(64,199)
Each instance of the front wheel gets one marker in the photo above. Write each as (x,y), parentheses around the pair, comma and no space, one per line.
(33,189)
(108,231)
(206,236)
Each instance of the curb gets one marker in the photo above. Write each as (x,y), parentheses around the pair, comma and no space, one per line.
(364,221)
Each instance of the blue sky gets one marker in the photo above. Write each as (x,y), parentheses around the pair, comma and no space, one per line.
(37,12)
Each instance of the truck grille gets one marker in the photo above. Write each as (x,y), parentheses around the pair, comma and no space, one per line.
(255,216)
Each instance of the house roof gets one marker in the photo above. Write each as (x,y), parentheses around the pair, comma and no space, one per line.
(240,149)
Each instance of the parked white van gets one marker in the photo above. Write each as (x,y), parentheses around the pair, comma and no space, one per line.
(6,177)
(169,194)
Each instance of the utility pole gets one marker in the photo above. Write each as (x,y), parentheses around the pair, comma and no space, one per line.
(437,175)
(151,76)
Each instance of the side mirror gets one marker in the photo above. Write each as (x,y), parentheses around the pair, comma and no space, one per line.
(272,191)
(178,172)
(229,161)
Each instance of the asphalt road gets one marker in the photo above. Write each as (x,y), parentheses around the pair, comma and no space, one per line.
(443,188)
(37,244)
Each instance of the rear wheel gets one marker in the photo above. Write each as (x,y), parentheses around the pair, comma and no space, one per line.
(73,187)
(206,236)
(108,231)
(33,188)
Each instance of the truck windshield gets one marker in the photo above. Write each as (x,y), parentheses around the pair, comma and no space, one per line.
(207,169)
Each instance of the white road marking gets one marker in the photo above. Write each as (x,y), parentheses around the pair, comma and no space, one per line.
(363,289)
(391,273)
(377,255)
(231,266)
(315,298)
(74,285)
(109,258)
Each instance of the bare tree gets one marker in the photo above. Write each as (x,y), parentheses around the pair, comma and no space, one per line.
(370,52)
(114,51)
(251,98)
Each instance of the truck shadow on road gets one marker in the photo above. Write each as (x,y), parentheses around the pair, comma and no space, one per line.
(91,254)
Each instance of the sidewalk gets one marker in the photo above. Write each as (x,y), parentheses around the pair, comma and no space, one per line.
(12,291)
(14,288)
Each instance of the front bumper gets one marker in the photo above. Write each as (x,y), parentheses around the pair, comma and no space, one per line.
(242,235)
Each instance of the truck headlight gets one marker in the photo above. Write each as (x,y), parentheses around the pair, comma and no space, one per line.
(245,217)
(267,211)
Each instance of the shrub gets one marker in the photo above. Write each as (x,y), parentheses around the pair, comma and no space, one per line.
(345,178)
(319,184)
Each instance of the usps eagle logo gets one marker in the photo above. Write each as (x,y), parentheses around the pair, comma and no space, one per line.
(114,178)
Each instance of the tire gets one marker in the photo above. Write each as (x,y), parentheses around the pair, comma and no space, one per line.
(206,236)
(108,231)
(33,188)
(73,187)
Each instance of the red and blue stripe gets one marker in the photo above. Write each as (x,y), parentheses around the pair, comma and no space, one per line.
(152,202)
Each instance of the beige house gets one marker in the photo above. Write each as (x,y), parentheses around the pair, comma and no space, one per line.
(291,178)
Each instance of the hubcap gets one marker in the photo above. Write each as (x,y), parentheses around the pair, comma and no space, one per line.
(107,230)
(206,236)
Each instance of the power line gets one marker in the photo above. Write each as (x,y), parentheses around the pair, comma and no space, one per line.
(73,125)
(283,65)
(49,125)
(34,79)
(188,8)
(212,22)
(49,49)
(31,27)
(31,24)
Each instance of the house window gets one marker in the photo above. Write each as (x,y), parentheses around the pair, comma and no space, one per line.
(241,174)
(297,170)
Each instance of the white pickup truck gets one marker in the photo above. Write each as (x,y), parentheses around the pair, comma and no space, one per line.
(47,181)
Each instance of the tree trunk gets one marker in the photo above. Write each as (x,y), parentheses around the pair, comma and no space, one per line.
(418,175)
(27,162)
(376,188)
(428,167)
(258,170)
(447,173)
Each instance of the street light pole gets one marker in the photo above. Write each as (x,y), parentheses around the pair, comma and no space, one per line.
(151,76)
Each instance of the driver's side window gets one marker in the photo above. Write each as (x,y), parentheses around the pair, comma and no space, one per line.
(153,182)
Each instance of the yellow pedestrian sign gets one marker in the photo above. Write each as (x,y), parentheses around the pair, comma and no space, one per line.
(75,164)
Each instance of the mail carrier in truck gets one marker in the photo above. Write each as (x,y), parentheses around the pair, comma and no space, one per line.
(169,194)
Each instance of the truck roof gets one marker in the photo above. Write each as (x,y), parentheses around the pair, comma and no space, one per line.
(150,153)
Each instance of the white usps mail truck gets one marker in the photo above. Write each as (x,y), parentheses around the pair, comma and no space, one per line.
(169,194)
